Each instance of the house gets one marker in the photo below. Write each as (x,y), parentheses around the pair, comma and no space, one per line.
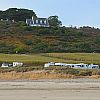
(43,22)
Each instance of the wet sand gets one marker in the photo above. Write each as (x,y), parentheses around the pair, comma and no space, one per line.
(68,89)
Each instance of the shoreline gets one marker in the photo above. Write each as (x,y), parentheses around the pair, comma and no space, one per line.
(48,84)
(60,80)
(50,89)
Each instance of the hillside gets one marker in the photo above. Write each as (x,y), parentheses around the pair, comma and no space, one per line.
(20,38)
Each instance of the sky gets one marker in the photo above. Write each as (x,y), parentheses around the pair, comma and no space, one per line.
(71,12)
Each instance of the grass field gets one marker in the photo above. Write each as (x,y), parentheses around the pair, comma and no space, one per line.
(30,72)
(77,57)
(52,57)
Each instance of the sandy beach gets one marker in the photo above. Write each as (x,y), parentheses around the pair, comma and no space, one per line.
(62,89)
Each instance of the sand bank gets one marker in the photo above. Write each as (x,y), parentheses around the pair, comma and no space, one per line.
(62,89)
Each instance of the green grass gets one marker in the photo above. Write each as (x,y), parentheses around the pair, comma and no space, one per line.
(52,57)
(77,57)
(28,58)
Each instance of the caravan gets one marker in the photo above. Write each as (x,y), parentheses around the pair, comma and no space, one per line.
(76,66)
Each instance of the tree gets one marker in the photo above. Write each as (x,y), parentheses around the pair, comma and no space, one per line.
(18,50)
(17,14)
(54,21)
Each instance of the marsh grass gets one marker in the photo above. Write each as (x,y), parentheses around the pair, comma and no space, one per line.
(40,75)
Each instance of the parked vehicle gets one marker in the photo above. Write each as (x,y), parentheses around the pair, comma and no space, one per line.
(6,65)
(77,66)
(14,64)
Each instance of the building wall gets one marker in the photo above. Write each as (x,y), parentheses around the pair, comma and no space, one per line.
(37,22)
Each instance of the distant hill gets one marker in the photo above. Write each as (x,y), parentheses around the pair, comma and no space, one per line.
(19,38)
(16,14)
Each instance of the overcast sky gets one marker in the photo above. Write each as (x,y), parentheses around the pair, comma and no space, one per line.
(70,12)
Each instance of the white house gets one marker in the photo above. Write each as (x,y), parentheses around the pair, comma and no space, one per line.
(43,22)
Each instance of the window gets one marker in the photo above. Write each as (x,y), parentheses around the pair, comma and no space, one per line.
(45,22)
(36,21)
(82,65)
(40,21)
(78,65)
(33,21)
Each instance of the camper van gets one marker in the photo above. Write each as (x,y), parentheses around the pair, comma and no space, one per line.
(77,66)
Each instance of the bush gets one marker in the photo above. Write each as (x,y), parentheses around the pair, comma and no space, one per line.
(40,47)
(68,71)
(28,42)
(85,73)
(19,50)
(97,40)
(4,48)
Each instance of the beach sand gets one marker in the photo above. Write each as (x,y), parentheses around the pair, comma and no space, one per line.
(58,89)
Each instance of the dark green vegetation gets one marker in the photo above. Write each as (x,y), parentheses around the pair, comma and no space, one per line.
(54,21)
(25,39)
(16,14)
(17,37)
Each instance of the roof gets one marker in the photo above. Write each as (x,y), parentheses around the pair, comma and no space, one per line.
(41,18)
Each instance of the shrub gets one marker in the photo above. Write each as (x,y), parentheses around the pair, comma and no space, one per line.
(28,42)
(40,47)
(19,50)
(85,73)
